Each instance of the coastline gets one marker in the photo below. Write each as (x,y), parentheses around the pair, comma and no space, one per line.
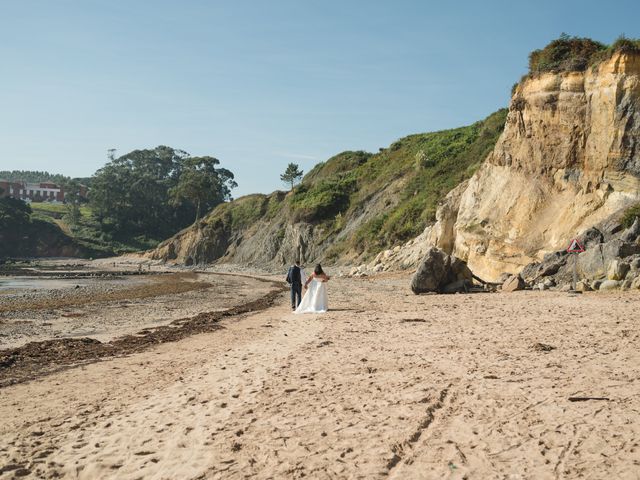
(386,384)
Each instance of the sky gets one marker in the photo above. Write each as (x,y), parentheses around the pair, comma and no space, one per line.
(259,84)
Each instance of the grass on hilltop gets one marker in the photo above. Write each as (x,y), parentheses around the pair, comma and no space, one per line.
(571,54)
(86,232)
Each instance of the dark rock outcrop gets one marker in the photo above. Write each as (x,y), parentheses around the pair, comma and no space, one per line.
(441,273)
(611,260)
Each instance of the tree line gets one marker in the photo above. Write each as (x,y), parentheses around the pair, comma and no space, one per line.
(156,192)
(147,194)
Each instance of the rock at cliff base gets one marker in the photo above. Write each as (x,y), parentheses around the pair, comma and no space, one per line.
(441,273)
(632,233)
(550,265)
(513,283)
(583,286)
(618,270)
(609,285)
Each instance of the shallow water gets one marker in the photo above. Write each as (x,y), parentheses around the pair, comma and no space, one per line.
(35,283)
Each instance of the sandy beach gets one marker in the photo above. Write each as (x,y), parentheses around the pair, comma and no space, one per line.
(540,385)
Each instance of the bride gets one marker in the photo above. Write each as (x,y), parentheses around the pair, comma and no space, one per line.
(315,299)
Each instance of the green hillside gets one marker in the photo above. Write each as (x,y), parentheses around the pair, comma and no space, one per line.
(428,165)
(355,204)
(85,231)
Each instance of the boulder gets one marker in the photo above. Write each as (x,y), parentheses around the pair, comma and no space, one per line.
(591,238)
(437,271)
(597,261)
(513,284)
(618,248)
(609,285)
(551,263)
(583,286)
(591,263)
(617,270)
(632,233)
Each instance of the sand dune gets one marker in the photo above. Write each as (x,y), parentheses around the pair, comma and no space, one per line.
(387,384)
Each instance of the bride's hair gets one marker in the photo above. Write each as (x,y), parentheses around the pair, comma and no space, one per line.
(318,270)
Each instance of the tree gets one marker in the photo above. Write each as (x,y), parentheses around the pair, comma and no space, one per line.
(202,184)
(15,220)
(156,192)
(72,202)
(292,174)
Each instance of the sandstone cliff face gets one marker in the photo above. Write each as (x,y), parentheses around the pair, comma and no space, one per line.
(569,157)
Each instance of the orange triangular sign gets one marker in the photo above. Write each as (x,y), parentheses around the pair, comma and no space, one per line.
(575,246)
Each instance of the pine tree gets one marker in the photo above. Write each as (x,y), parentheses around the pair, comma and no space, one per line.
(291,174)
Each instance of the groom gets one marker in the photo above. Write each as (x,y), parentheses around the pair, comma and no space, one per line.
(294,279)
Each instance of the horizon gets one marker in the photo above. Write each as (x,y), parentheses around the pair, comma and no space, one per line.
(259,86)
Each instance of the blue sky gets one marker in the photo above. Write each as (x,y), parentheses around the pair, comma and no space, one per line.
(259,84)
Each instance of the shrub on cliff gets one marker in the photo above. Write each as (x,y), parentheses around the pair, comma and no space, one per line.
(575,54)
(565,54)
(630,215)
(324,199)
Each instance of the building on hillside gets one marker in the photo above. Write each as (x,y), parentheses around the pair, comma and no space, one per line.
(36,192)
(11,189)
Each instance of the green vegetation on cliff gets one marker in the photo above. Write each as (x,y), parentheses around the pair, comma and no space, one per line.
(630,215)
(85,232)
(432,164)
(420,169)
(357,202)
(575,54)
(25,234)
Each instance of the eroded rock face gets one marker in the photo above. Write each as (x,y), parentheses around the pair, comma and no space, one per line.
(616,258)
(440,273)
(567,159)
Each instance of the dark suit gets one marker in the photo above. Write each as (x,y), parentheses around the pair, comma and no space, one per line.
(294,279)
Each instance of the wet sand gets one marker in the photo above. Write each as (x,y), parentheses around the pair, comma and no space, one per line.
(387,384)
(105,309)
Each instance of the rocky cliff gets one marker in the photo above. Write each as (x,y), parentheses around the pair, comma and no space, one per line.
(346,210)
(569,158)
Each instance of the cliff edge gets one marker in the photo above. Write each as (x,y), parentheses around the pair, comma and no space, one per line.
(568,158)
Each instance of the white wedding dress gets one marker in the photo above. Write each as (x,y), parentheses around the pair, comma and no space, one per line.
(315,299)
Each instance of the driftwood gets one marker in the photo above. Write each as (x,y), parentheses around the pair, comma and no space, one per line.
(584,399)
(491,284)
